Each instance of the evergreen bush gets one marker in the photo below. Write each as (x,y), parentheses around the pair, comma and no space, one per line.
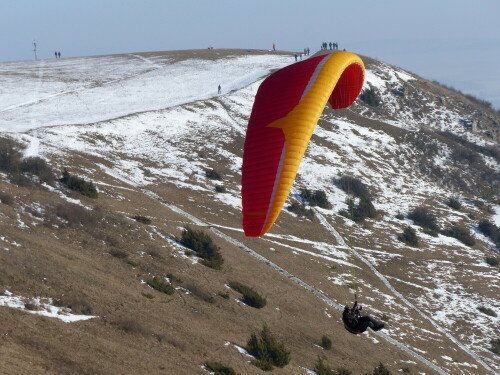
(220,189)
(142,219)
(219,369)
(250,296)
(492,261)
(6,198)
(421,216)
(461,233)
(454,203)
(38,167)
(322,369)
(358,213)
(370,96)
(354,186)
(10,158)
(268,351)
(495,346)
(301,211)
(409,236)
(204,247)
(487,311)
(76,183)
(490,230)
(381,370)
(326,343)
(315,198)
(161,285)
(212,174)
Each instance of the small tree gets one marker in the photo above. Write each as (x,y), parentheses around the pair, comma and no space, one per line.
(492,261)
(219,369)
(461,233)
(250,296)
(381,370)
(212,174)
(160,285)
(322,369)
(495,346)
(370,96)
(268,351)
(203,245)
(409,236)
(326,343)
(315,198)
(454,203)
(86,188)
(353,185)
(423,217)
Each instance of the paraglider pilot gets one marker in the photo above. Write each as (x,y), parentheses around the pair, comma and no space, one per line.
(355,323)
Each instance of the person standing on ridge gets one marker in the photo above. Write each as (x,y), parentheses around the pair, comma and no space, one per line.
(219,90)
(274,47)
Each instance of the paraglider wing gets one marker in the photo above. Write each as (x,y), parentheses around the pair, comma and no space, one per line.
(287,107)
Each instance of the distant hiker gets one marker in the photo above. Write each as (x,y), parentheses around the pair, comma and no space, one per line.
(274,47)
(55,53)
(219,90)
(355,323)
(308,51)
(295,57)
(59,55)
(330,44)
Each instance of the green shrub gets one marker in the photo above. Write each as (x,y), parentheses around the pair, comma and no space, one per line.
(212,174)
(490,230)
(409,236)
(358,213)
(6,198)
(421,216)
(381,370)
(38,167)
(300,210)
(268,351)
(10,158)
(322,369)
(487,311)
(406,370)
(326,343)
(219,369)
(161,285)
(454,203)
(492,261)
(400,216)
(315,198)
(142,219)
(202,244)
(353,186)
(460,233)
(342,371)
(370,96)
(495,346)
(120,254)
(86,188)
(250,296)
(220,189)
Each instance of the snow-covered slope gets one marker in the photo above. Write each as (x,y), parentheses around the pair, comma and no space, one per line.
(156,123)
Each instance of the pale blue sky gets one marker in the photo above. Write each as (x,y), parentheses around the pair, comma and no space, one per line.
(456,42)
